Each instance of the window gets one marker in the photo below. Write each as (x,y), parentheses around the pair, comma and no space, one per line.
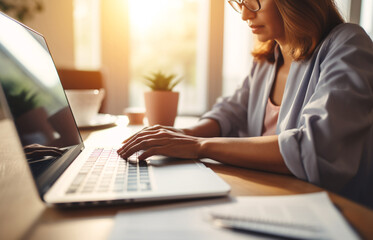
(165,36)
(344,8)
(238,43)
(366,20)
(358,11)
(86,34)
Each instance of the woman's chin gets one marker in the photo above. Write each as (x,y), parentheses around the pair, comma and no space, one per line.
(262,38)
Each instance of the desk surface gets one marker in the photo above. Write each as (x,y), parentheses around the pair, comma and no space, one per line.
(24,216)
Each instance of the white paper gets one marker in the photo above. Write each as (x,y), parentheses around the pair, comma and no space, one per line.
(185,221)
(191,220)
(314,210)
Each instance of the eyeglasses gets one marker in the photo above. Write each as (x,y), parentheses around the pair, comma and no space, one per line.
(252,5)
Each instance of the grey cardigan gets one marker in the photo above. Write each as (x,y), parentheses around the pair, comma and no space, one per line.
(325,124)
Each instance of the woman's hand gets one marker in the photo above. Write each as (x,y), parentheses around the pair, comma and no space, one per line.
(161,140)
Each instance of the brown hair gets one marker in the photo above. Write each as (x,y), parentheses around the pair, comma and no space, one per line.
(306,23)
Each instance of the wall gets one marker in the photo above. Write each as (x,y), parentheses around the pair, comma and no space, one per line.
(115,53)
(55,22)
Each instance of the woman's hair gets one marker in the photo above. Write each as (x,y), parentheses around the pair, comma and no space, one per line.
(306,23)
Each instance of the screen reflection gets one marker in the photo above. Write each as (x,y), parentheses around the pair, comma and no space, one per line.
(35,96)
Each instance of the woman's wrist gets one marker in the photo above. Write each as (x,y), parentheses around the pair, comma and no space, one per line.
(187,131)
(204,128)
(203,145)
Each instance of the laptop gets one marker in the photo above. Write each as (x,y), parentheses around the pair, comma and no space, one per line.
(65,172)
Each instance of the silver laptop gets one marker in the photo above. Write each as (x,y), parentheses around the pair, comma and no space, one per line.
(64,171)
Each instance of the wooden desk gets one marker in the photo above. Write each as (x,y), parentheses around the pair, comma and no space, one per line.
(24,216)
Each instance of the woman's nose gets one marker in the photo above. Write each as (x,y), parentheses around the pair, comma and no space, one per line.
(247,14)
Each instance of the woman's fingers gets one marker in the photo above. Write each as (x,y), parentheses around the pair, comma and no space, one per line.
(133,136)
(151,152)
(144,135)
(143,146)
(150,129)
(176,146)
(139,137)
(160,140)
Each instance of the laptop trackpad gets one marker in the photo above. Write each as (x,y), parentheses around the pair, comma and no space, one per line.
(181,174)
(163,162)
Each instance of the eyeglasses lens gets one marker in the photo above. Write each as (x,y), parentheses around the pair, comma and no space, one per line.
(252,5)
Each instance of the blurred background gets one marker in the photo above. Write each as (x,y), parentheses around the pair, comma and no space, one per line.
(203,41)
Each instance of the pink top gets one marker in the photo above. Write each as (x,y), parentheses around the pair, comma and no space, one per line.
(270,119)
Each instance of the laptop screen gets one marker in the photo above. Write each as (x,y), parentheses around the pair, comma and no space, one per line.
(36,99)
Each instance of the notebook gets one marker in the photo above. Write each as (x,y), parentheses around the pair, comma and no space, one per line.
(300,216)
(65,172)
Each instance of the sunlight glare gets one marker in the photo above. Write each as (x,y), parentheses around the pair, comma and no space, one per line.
(147,13)
(144,13)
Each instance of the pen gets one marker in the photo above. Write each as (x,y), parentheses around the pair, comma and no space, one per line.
(269,227)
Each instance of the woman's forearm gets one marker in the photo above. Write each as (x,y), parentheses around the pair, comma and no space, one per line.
(261,153)
(204,128)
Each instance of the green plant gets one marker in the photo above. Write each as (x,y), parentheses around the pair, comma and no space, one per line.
(21,9)
(161,82)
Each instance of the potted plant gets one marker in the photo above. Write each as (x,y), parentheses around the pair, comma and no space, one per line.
(161,102)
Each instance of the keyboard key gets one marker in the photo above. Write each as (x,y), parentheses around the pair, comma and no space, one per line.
(106,171)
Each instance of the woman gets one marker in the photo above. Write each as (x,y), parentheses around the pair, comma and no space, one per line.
(305,109)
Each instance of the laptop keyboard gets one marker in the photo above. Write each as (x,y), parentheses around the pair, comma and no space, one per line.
(105,171)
